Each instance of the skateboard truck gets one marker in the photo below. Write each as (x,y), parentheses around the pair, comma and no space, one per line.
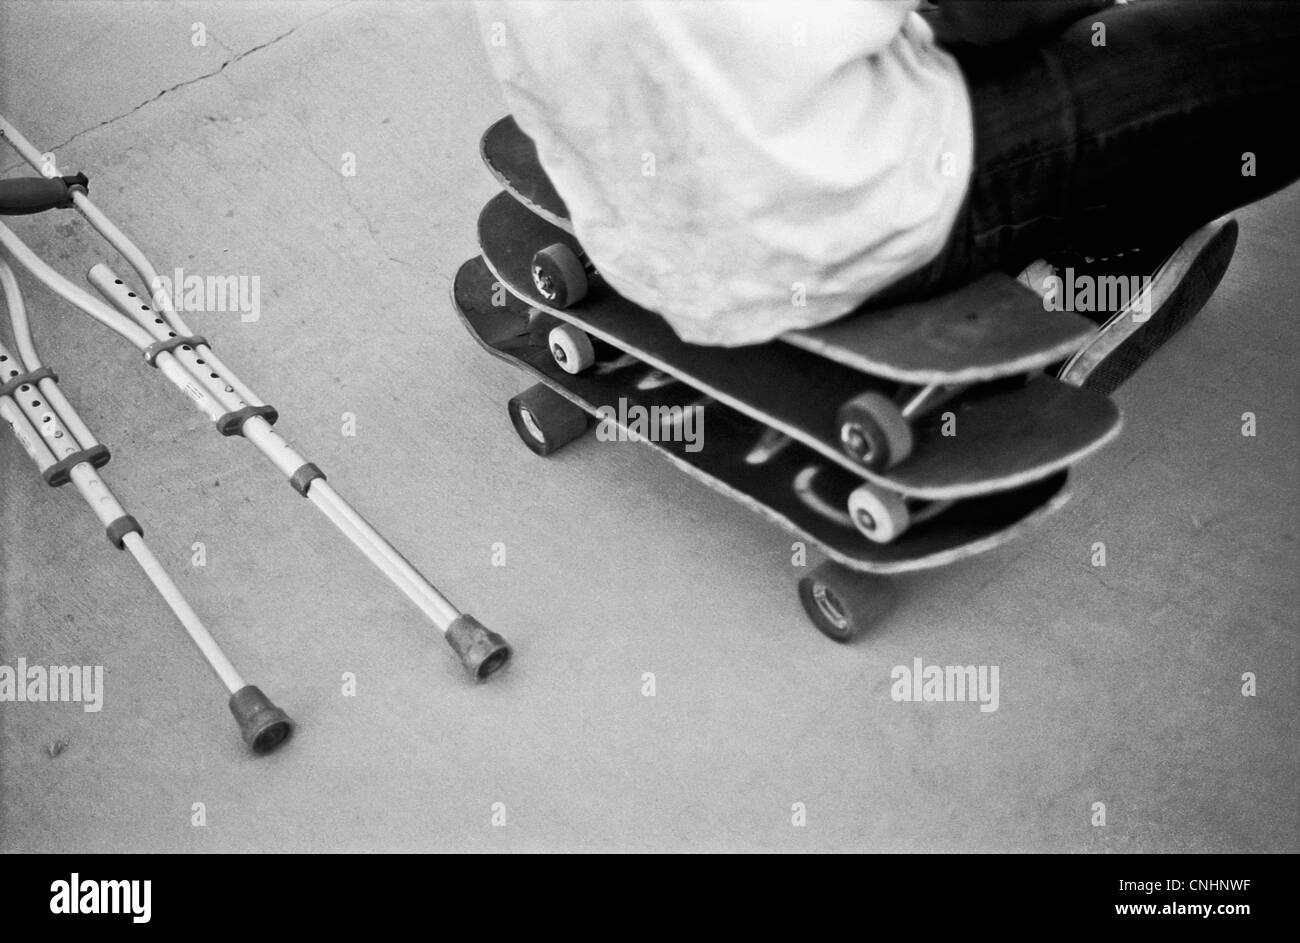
(190,364)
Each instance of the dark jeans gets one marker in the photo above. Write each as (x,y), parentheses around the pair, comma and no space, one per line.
(1091,148)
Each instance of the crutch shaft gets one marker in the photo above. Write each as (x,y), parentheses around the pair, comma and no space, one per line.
(380,552)
(26,435)
(185,614)
(27,150)
(78,297)
(479,649)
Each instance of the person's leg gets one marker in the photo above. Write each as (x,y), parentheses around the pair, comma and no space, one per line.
(1096,147)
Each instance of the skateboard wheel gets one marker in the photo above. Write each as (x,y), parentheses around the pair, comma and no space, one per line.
(879,514)
(545,420)
(571,348)
(873,431)
(558,275)
(843,604)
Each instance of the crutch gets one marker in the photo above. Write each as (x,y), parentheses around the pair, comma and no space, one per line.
(65,450)
(188,362)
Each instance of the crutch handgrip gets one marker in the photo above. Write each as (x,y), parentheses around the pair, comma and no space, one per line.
(263,725)
(481,650)
(25,195)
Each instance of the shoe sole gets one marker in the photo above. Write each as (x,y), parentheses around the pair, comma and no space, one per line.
(1179,289)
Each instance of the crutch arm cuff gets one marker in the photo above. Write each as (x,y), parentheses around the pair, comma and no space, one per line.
(60,472)
(118,529)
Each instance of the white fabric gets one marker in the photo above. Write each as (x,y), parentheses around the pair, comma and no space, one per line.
(742,168)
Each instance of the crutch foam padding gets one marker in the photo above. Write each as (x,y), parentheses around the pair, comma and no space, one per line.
(25,195)
(263,725)
(480,650)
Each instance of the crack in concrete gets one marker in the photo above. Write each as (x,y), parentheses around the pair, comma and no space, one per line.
(179,85)
(333,171)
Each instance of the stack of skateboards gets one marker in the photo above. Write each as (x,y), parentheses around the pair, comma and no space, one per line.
(892,439)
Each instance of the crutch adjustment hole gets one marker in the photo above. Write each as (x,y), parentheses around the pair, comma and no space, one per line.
(130,294)
(117,281)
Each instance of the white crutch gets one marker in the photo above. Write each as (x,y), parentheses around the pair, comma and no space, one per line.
(64,449)
(188,362)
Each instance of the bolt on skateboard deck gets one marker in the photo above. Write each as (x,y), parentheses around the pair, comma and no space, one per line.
(993,327)
(787,483)
(993,437)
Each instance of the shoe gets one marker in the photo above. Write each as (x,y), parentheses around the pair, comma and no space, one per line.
(1176,284)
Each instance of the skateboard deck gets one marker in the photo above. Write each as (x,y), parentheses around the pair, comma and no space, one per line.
(792,486)
(1000,436)
(990,328)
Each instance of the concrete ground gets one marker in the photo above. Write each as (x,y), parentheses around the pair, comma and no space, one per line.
(1119,685)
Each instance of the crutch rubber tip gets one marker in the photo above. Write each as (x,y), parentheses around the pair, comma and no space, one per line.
(480,650)
(263,725)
